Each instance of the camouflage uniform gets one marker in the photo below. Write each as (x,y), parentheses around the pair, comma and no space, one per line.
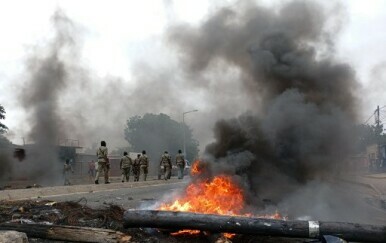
(102,153)
(66,171)
(180,162)
(166,162)
(136,169)
(144,165)
(125,166)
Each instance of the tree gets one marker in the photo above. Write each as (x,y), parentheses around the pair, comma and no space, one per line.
(4,142)
(3,127)
(368,135)
(157,133)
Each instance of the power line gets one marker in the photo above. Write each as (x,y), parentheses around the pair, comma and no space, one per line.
(369,119)
(378,112)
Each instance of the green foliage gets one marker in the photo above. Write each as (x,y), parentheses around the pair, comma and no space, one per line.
(157,133)
(368,135)
(4,142)
(3,127)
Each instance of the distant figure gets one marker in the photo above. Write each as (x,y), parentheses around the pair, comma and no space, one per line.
(166,163)
(136,168)
(66,171)
(125,166)
(103,163)
(144,164)
(91,169)
(180,162)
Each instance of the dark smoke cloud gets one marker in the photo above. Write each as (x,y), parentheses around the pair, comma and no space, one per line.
(301,101)
(48,73)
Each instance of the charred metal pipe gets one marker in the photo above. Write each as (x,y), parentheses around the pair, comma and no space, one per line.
(253,226)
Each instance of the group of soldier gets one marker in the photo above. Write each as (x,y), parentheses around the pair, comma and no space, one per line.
(138,166)
(166,164)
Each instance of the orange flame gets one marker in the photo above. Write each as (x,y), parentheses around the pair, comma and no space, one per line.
(196,170)
(219,195)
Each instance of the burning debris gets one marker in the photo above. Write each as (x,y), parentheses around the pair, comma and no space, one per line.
(75,222)
(210,195)
(254,226)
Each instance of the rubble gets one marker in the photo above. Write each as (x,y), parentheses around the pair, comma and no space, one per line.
(35,217)
(61,213)
(11,236)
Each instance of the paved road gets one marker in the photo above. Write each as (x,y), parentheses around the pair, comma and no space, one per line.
(128,194)
(129,197)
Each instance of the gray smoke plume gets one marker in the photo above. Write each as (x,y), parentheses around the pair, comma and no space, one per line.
(47,78)
(298,132)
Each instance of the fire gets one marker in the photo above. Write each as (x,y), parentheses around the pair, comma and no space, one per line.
(196,168)
(217,195)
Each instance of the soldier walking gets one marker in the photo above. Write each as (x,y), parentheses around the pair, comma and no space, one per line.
(66,172)
(103,163)
(144,164)
(136,168)
(125,166)
(166,163)
(180,162)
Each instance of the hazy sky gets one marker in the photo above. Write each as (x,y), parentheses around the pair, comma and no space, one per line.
(117,35)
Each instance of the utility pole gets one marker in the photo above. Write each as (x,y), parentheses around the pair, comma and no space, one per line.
(376,115)
(378,127)
(183,127)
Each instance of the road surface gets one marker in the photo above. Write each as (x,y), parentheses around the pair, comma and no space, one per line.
(127,197)
(128,194)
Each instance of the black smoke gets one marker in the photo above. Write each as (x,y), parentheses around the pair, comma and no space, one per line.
(46,80)
(299,128)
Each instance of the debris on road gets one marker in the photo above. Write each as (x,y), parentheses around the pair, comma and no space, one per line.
(35,218)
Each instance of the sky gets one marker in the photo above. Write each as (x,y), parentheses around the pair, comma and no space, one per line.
(120,37)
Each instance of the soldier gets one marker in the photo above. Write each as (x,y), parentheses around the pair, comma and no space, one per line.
(125,166)
(103,163)
(166,163)
(136,168)
(180,162)
(66,171)
(144,164)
